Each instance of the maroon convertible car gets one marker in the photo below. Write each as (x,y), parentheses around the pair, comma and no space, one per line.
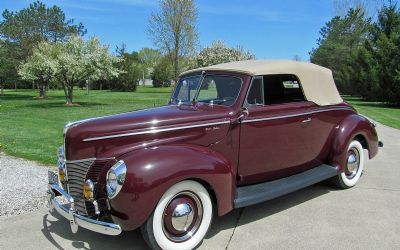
(232,135)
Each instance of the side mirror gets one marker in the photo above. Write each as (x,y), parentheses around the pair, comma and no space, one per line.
(243,113)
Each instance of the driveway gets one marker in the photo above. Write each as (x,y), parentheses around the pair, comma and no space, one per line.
(318,217)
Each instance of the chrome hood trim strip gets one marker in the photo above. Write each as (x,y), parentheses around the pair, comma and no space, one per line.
(294,115)
(90,159)
(155,130)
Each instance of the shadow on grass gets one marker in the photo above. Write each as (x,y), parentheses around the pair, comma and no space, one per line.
(374,105)
(13,97)
(63,105)
(359,101)
(154,91)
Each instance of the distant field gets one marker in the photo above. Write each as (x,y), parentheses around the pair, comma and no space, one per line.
(389,116)
(31,128)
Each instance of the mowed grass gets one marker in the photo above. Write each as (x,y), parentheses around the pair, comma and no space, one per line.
(32,128)
(389,116)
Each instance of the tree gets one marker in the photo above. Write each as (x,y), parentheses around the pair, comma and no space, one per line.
(72,62)
(149,58)
(220,53)
(340,37)
(163,73)
(173,29)
(37,23)
(7,67)
(131,70)
(41,66)
(378,63)
(22,30)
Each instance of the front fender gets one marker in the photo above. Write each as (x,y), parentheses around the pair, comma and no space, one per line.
(151,171)
(349,128)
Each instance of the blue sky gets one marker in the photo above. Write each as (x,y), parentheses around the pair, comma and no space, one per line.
(270,29)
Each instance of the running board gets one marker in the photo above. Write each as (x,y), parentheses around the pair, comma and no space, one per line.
(253,194)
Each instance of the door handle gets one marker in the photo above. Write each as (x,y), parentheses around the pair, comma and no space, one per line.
(306,120)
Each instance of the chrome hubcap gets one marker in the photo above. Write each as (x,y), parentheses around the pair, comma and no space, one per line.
(353,162)
(182,216)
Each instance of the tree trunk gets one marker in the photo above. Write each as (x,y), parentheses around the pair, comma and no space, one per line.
(15,85)
(1,90)
(65,91)
(176,64)
(42,90)
(70,94)
(101,85)
(33,84)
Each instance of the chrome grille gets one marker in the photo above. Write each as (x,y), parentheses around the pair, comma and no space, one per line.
(76,174)
(93,174)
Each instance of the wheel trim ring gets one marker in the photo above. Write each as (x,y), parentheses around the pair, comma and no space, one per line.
(194,226)
(352,163)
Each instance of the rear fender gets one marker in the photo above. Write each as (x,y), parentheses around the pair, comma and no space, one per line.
(348,129)
(151,171)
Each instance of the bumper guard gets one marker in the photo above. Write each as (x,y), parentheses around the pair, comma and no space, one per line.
(76,220)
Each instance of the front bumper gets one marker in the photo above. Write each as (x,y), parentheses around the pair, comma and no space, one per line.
(76,220)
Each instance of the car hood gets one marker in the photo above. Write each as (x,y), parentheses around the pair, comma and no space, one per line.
(97,137)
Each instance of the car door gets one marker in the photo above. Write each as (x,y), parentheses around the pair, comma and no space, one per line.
(275,135)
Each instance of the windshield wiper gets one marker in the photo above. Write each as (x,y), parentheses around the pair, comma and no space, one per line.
(203,74)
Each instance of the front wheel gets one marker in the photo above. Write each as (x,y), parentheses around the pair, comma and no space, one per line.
(354,166)
(181,219)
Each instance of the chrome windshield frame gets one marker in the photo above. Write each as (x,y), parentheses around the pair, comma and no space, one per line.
(202,77)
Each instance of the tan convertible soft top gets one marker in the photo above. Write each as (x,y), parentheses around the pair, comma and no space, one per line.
(317,82)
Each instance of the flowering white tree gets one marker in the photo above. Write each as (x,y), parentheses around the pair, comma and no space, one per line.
(40,67)
(220,53)
(71,62)
(79,61)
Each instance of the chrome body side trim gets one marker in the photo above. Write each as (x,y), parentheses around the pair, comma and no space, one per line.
(293,115)
(76,220)
(154,130)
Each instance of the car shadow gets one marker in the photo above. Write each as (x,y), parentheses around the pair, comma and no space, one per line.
(269,208)
(54,224)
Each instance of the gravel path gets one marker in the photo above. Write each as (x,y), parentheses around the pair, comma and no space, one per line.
(23,185)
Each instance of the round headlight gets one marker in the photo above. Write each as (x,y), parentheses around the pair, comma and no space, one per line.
(115,179)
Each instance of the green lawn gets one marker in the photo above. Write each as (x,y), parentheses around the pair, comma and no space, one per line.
(389,116)
(32,128)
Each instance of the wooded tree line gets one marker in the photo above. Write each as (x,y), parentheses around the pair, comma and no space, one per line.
(363,53)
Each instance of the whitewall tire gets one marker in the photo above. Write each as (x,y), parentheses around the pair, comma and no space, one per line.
(354,166)
(181,218)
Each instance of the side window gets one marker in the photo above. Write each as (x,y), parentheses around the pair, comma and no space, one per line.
(282,89)
(255,96)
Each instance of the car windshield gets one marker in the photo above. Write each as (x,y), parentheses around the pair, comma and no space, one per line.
(214,89)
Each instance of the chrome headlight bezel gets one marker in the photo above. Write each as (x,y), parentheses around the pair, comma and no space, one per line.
(115,179)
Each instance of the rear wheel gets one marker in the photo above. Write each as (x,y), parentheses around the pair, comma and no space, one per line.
(353,168)
(181,219)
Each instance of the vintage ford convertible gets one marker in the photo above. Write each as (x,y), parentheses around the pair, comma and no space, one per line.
(232,135)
